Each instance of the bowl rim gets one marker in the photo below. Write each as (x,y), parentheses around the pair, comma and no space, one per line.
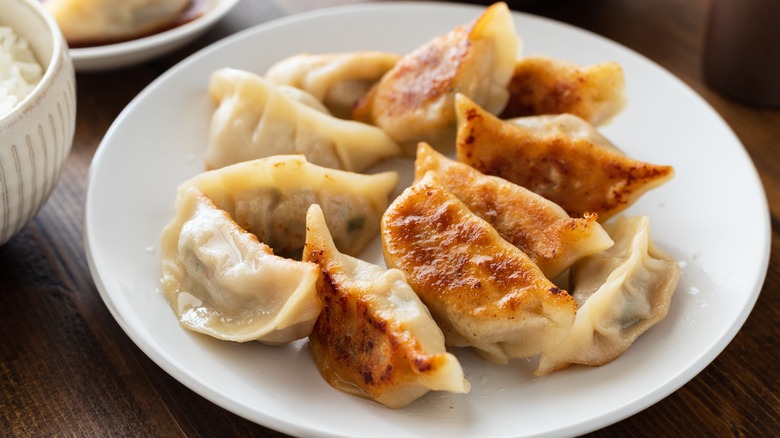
(51,66)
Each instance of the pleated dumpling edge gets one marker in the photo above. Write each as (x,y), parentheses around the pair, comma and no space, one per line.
(374,337)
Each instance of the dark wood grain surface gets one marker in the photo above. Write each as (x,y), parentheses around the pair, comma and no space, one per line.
(67,369)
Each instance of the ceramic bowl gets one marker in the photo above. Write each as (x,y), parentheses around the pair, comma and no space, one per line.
(37,134)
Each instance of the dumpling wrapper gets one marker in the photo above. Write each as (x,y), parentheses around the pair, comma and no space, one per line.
(86,22)
(542,85)
(338,80)
(374,337)
(255,119)
(270,196)
(414,101)
(562,158)
(303,97)
(540,228)
(483,292)
(622,292)
(222,281)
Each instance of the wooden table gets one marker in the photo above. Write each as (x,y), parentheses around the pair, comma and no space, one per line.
(66,367)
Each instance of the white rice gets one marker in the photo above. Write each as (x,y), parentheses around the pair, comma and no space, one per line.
(19,71)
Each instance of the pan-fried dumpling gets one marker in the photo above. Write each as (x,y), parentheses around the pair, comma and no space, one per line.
(562,158)
(269,197)
(549,236)
(482,291)
(622,292)
(542,85)
(254,119)
(102,21)
(374,338)
(221,280)
(415,100)
(338,80)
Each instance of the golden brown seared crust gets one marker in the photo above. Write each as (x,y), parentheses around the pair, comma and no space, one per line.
(414,100)
(575,173)
(354,347)
(481,289)
(360,352)
(542,85)
(541,229)
(418,80)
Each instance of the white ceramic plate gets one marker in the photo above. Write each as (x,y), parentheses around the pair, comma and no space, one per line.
(159,141)
(128,53)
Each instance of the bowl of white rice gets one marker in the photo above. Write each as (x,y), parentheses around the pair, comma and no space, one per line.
(37,111)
